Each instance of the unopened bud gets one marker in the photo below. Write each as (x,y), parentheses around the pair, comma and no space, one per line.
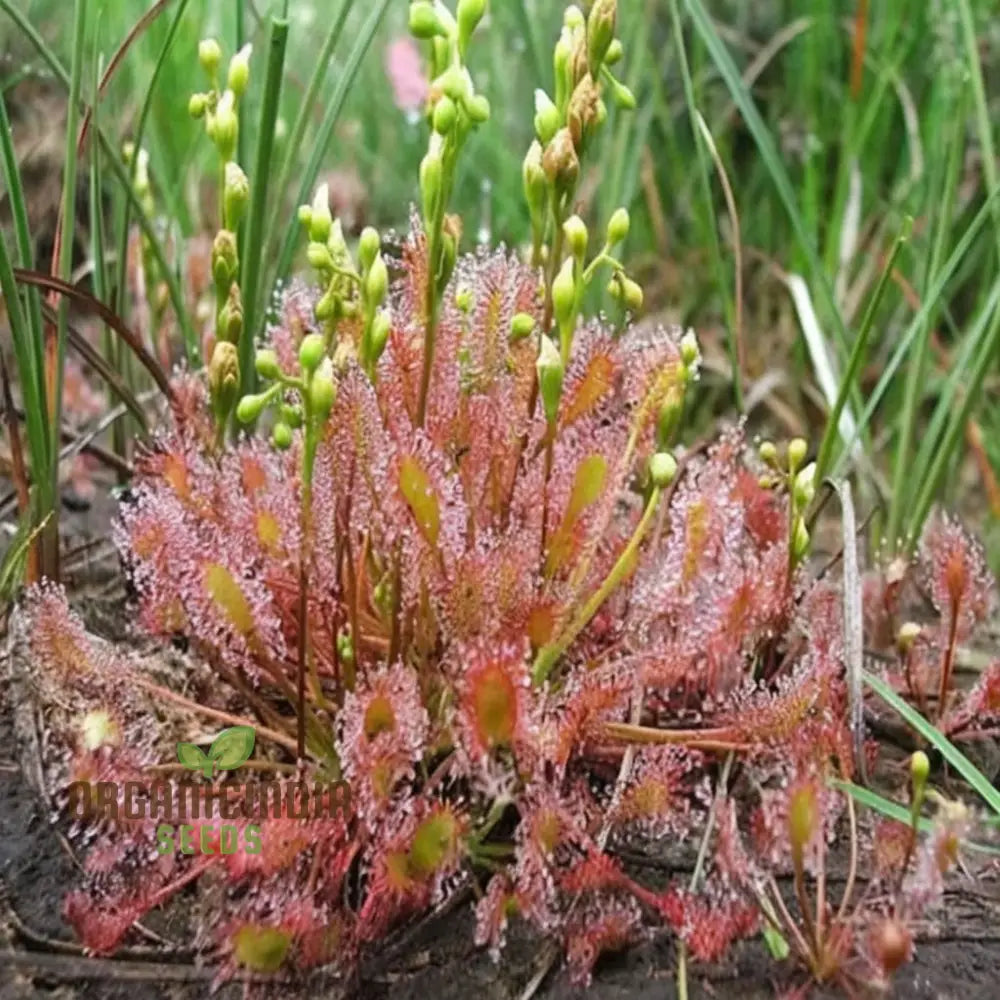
(424,20)
(380,333)
(209,55)
(800,540)
(230,324)
(227,126)
(445,115)
(662,469)
(431,175)
(291,415)
(804,488)
(521,326)
(550,378)
(368,246)
(322,395)
(690,352)
(768,454)
(377,280)
(600,32)
(920,769)
(224,377)
(535,183)
(468,14)
(573,18)
(319,257)
(631,294)
(225,262)
(235,196)
(797,451)
(618,226)
(197,105)
(575,231)
(622,95)
(320,217)
(266,363)
(564,293)
(456,84)
(239,71)
(614,53)
(547,119)
(312,351)
(478,109)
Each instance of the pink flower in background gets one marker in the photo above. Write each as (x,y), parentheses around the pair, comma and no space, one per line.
(406,74)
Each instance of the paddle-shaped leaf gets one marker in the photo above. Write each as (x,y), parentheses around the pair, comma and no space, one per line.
(415,485)
(588,485)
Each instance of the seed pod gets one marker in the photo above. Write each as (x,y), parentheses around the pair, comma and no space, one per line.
(445,115)
(424,21)
(266,363)
(564,293)
(632,295)
(662,469)
(468,14)
(312,351)
(281,436)
(251,407)
(768,454)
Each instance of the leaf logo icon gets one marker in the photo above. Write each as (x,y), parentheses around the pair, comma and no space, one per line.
(231,748)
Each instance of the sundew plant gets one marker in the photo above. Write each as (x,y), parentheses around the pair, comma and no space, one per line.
(438,533)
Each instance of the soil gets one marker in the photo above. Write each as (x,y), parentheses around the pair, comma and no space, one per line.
(956,957)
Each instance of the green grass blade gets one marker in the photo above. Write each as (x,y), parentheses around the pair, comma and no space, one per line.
(254,249)
(975,778)
(362,41)
(769,154)
(930,302)
(858,352)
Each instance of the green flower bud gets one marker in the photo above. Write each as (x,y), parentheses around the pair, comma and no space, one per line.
(575,231)
(368,246)
(230,324)
(550,378)
(662,469)
(225,263)
(768,454)
(227,125)
(320,218)
(478,109)
(456,84)
(618,226)
(377,280)
(547,118)
(564,293)
(690,353)
(562,58)
(522,326)
(573,18)
(535,183)
(305,216)
(312,351)
(322,395)
(424,20)
(319,257)
(235,195)
(614,53)
(920,769)
(209,55)
(266,363)
(291,415)
(239,71)
(250,408)
(330,306)
(804,488)
(281,436)
(797,451)
(445,115)
(907,636)
(197,105)
(431,175)
(600,32)
(468,14)
(800,540)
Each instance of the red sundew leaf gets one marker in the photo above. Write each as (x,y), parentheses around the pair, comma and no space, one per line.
(588,485)
(586,395)
(415,485)
(222,587)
